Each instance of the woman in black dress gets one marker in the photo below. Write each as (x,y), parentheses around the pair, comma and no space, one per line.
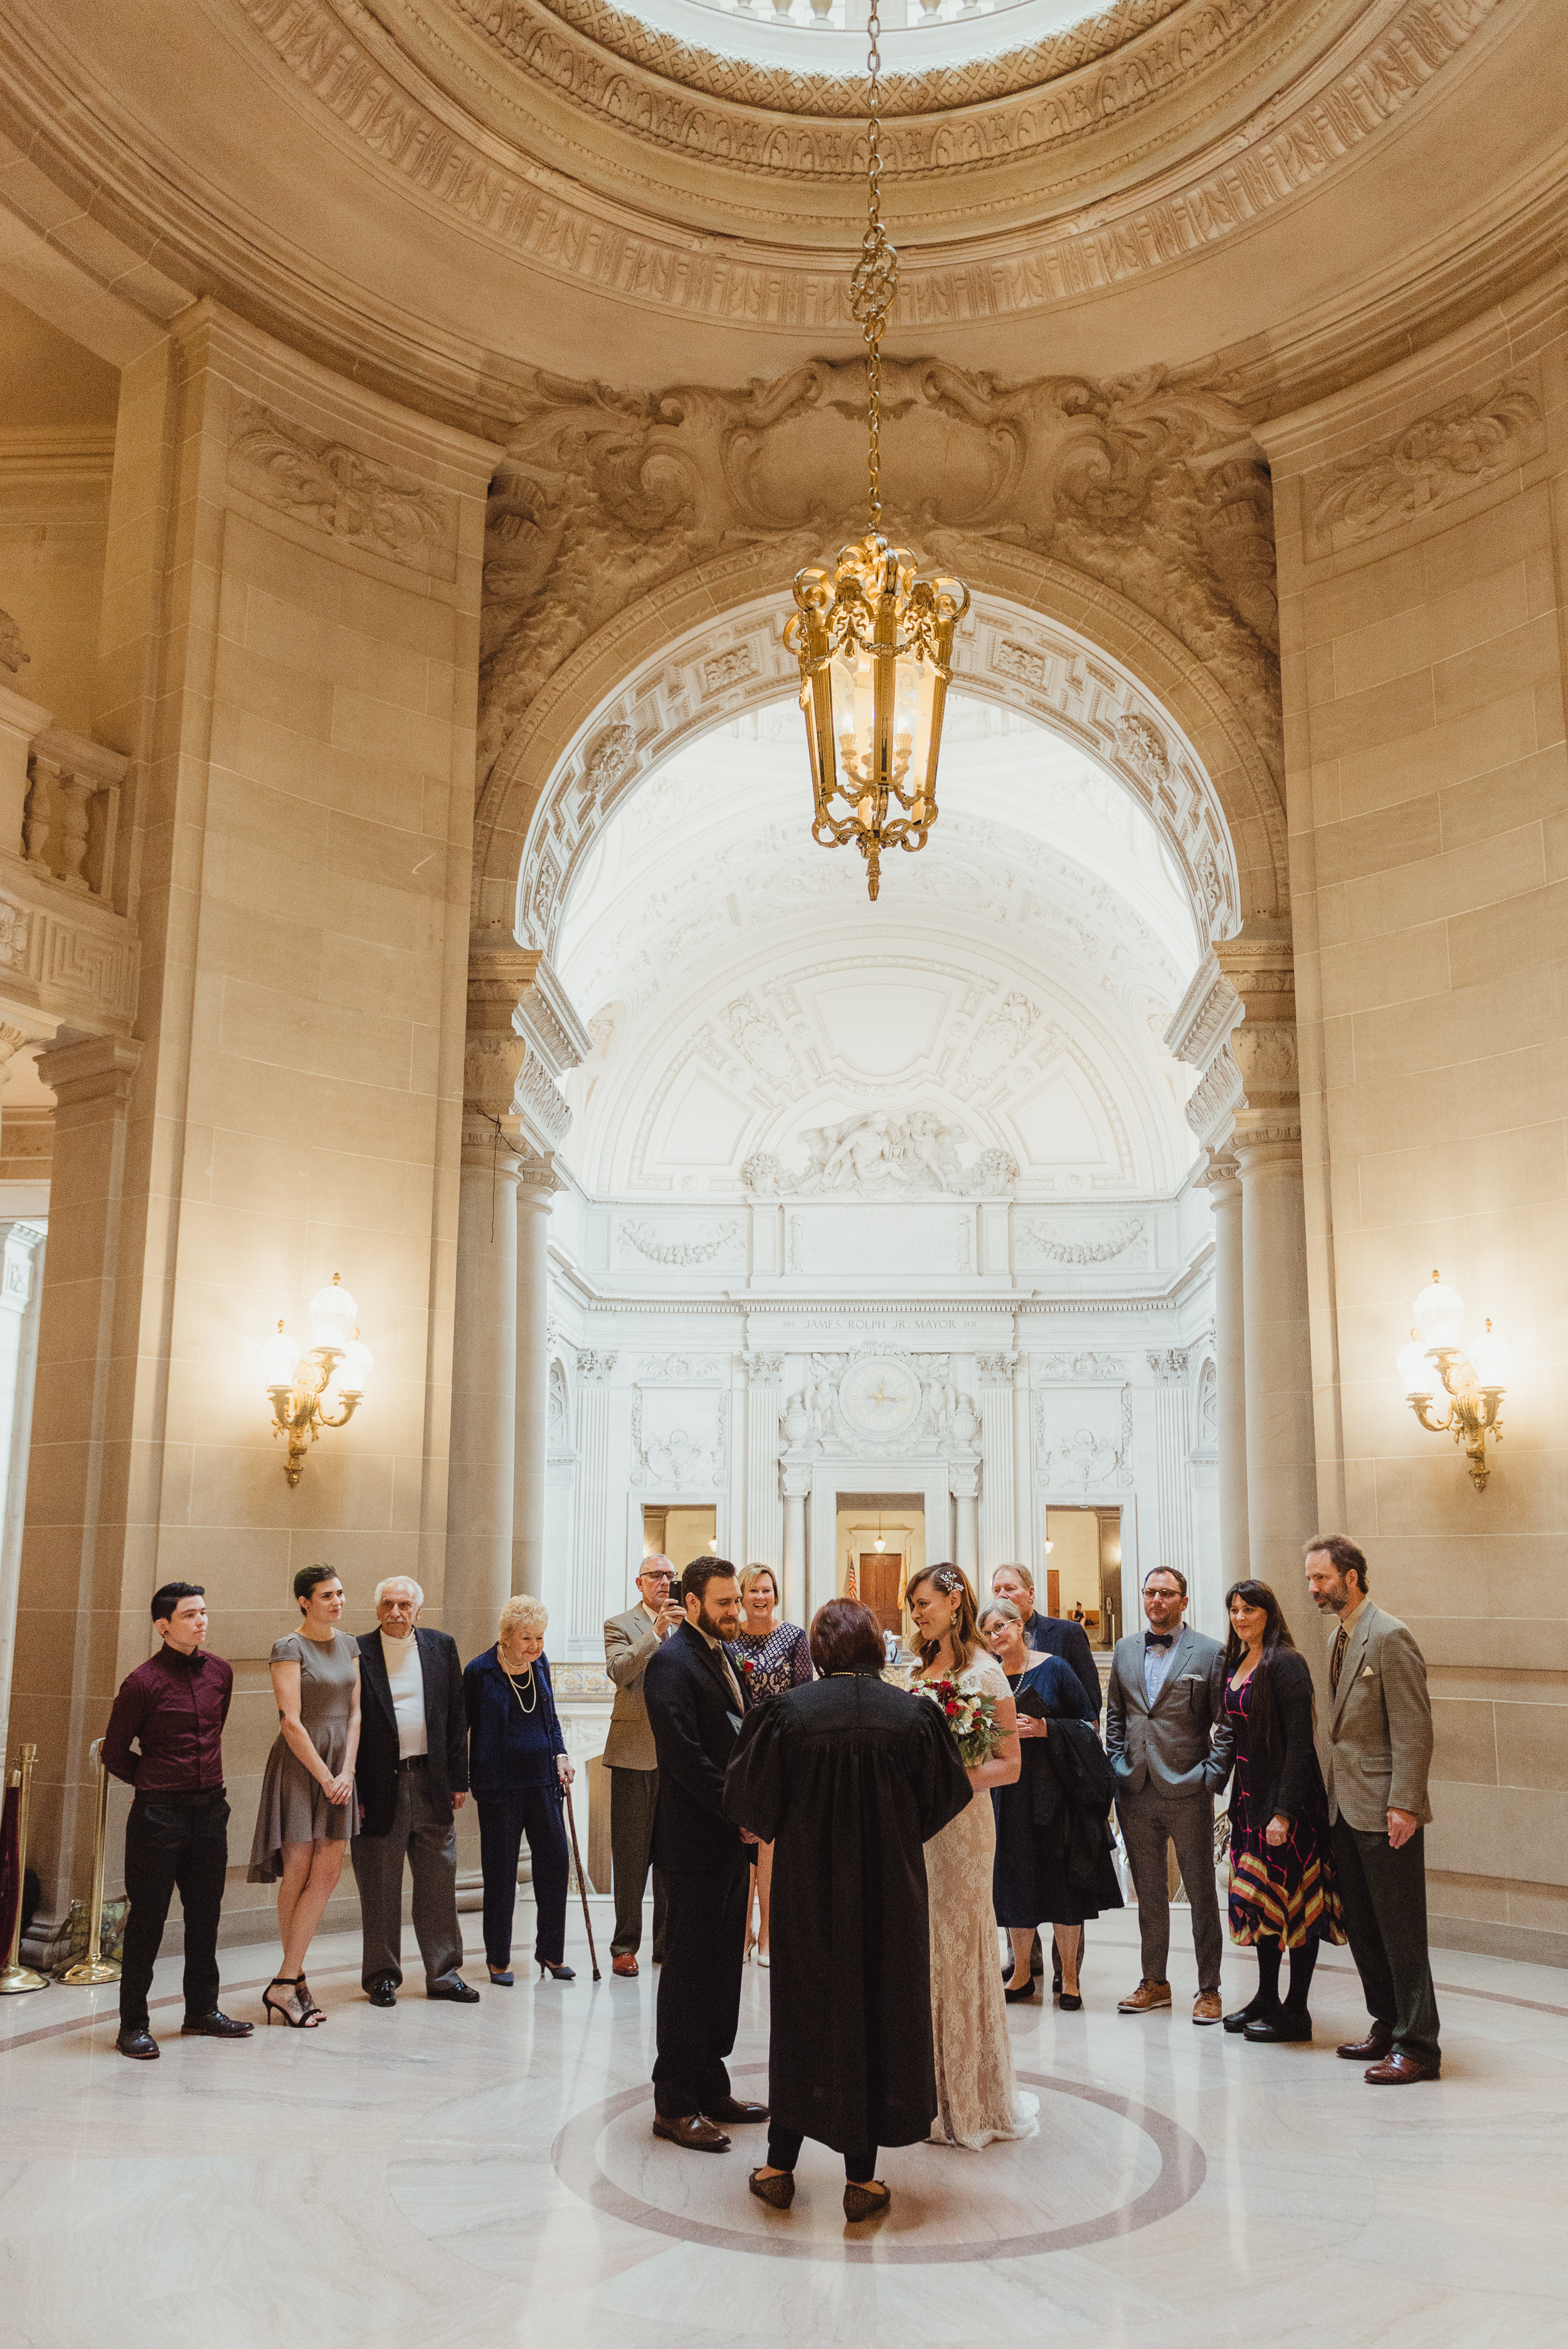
(1053,1863)
(1285,1892)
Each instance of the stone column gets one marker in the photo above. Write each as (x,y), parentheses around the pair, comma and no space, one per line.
(19,1285)
(592,1591)
(798,1606)
(1281,1439)
(537,1184)
(1023,1478)
(764,1522)
(1171,1444)
(1222,1183)
(964,1483)
(484,1373)
(998,1538)
(65,1658)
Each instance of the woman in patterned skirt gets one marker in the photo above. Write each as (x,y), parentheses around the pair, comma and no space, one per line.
(771,1657)
(1284,1893)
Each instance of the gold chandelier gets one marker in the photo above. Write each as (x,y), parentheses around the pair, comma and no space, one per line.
(874,641)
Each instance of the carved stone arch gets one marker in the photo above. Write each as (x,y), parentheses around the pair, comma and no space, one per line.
(560,1406)
(1041,639)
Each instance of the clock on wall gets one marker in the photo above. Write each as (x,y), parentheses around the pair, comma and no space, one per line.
(880,1398)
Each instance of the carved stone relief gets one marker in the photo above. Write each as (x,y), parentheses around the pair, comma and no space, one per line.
(680,1437)
(1093,1454)
(672,1369)
(878,1156)
(336,488)
(1041,1240)
(1080,1368)
(12,652)
(1441,457)
(1168,1364)
(706,1242)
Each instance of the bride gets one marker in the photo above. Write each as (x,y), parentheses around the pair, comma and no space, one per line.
(977,2101)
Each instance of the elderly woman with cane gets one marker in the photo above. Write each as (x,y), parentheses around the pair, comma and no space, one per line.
(519,1772)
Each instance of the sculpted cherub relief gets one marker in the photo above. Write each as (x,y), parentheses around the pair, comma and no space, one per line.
(1149,484)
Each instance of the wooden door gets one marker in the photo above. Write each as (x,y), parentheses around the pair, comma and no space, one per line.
(879,1580)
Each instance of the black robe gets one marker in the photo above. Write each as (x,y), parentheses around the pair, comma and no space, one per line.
(848,1778)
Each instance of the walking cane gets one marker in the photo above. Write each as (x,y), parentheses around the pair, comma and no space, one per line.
(582,1882)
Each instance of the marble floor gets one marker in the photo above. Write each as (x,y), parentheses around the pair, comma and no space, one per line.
(444,2175)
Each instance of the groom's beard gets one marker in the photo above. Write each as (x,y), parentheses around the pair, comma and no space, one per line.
(710,1624)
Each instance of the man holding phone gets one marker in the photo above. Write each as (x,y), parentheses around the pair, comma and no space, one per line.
(631,1759)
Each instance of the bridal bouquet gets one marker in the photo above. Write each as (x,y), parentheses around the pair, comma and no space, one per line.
(971,1716)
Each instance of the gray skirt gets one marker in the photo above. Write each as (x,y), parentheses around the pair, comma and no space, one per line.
(294,1807)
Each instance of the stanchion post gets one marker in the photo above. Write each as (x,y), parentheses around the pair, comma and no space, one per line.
(15,1976)
(95,1967)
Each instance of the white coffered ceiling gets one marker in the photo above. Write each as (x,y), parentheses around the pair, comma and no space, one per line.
(1015,979)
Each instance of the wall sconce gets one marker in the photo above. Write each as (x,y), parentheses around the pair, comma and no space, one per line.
(1475,1384)
(298,1383)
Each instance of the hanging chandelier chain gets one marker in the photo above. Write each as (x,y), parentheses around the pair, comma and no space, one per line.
(874,285)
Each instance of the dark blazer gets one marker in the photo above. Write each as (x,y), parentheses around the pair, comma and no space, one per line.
(1053,1635)
(1280,1768)
(503,1758)
(695,1723)
(446,1726)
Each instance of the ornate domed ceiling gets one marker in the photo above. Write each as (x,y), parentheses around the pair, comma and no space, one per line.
(440,194)
(1009,991)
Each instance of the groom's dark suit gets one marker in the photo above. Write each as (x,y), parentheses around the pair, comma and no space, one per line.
(694,1708)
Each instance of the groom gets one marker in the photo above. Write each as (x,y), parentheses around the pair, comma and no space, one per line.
(696,1704)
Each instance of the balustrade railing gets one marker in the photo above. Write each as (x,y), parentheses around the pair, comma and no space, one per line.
(849,16)
(71,817)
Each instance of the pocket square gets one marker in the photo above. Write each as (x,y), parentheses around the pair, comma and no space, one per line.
(1368,1673)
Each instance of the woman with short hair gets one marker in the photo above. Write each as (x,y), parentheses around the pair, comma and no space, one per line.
(848,1779)
(518,1769)
(303,1816)
(1285,1887)
(770,1657)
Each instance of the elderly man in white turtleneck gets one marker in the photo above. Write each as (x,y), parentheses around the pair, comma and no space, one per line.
(413,1777)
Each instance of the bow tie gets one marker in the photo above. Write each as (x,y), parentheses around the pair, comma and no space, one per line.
(1159,1639)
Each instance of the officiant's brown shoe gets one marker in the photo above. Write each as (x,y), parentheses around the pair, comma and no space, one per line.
(695,2131)
(1145,1999)
(866,2201)
(776,2192)
(732,2109)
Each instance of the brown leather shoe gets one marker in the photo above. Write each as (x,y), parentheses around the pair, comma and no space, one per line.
(1377,2044)
(1145,1999)
(695,2131)
(624,1964)
(732,2109)
(1206,2007)
(1395,2071)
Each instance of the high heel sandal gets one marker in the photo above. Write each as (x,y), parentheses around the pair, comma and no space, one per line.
(556,1973)
(298,2012)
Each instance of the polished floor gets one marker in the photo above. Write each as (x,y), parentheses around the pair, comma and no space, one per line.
(444,2174)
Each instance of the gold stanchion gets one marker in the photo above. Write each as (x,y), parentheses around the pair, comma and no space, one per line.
(95,1968)
(14,1975)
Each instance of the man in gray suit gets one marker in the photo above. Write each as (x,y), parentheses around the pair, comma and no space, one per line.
(1165,1696)
(632,1762)
(1379,1745)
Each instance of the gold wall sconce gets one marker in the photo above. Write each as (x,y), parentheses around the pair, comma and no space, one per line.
(302,1384)
(1474,1381)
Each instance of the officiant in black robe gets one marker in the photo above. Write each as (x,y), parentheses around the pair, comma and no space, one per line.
(848,1779)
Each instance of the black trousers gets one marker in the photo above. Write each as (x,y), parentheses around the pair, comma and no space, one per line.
(784,2152)
(1384,1892)
(504,1820)
(179,1839)
(700,1988)
(633,1799)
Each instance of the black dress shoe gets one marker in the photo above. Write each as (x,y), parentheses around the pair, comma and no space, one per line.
(462,1994)
(215,2025)
(1251,2012)
(139,2043)
(382,1990)
(695,2131)
(733,2109)
(1378,2043)
(1280,2030)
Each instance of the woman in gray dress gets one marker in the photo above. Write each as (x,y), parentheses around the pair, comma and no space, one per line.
(303,1824)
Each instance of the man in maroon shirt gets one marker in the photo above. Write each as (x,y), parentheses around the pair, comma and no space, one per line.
(174,1707)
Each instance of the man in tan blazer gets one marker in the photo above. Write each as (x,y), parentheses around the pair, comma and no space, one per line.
(1379,1750)
(633,1764)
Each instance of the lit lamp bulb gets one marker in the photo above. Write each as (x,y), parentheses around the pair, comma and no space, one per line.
(1439,1315)
(279,1358)
(1491,1359)
(1416,1373)
(333,1316)
(878,1543)
(354,1372)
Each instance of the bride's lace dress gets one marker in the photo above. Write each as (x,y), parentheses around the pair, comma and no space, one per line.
(977,2100)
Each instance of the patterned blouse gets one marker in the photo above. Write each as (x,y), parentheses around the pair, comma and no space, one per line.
(780,1661)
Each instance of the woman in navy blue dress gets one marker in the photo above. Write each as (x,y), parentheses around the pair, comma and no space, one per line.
(517,1768)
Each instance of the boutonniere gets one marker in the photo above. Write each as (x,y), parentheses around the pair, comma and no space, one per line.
(748,1670)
